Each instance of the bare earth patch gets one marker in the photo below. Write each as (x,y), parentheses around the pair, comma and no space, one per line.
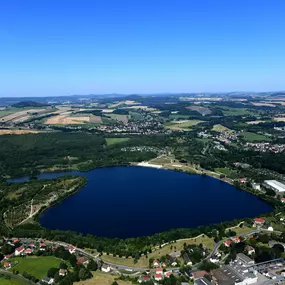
(95,119)
(17,132)
(263,104)
(279,119)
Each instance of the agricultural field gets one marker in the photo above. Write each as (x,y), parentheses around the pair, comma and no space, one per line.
(112,141)
(17,132)
(182,125)
(263,104)
(230,111)
(253,137)
(120,118)
(17,115)
(221,129)
(100,278)
(202,110)
(255,122)
(36,266)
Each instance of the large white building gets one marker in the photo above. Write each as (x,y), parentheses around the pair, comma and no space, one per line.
(277,186)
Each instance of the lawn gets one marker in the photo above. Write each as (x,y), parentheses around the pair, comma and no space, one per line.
(12,281)
(229,111)
(253,137)
(111,141)
(243,230)
(100,278)
(36,266)
(226,171)
(142,262)
(121,118)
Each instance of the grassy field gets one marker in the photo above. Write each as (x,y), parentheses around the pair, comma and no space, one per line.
(111,141)
(121,118)
(253,137)
(12,281)
(161,160)
(183,125)
(100,278)
(36,266)
(229,111)
(221,129)
(143,261)
(241,231)
(228,172)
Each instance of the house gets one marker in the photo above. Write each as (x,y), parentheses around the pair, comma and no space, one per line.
(155,263)
(199,274)
(82,260)
(144,278)
(62,272)
(250,250)
(47,280)
(187,259)
(172,261)
(163,264)
(31,245)
(42,246)
(28,251)
(158,271)
(242,180)
(19,250)
(8,256)
(214,260)
(236,240)
(106,268)
(258,221)
(71,250)
(283,200)
(228,243)
(7,265)
(158,277)
(167,274)
(256,186)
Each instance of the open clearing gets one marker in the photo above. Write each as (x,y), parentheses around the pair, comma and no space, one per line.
(67,120)
(121,118)
(95,119)
(255,122)
(17,132)
(252,137)
(221,129)
(202,110)
(100,278)
(182,125)
(20,116)
(111,141)
(146,108)
(279,119)
(36,266)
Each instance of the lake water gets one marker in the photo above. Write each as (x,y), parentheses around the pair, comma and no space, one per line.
(136,201)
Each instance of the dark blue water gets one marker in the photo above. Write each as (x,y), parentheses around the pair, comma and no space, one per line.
(135,201)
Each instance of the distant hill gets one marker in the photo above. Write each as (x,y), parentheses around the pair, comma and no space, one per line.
(23,104)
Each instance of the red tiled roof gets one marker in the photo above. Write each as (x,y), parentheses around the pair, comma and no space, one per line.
(7,264)
(42,244)
(158,269)
(259,220)
(199,274)
(81,260)
(228,242)
(146,277)
(28,250)
(19,249)
(158,275)
(167,274)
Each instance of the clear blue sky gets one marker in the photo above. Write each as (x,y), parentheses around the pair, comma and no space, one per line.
(64,47)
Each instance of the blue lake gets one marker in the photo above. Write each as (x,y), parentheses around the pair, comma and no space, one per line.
(135,201)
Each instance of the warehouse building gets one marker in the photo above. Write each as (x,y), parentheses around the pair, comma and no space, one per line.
(276,186)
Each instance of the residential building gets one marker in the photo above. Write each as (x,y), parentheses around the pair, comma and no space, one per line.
(144,278)
(7,265)
(158,277)
(19,250)
(155,263)
(259,221)
(187,259)
(48,280)
(106,268)
(256,186)
(199,274)
(62,272)
(159,271)
(228,243)
(250,250)
(28,251)
(168,273)
(71,250)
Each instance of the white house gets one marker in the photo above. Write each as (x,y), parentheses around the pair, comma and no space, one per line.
(71,250)
(19,250)
(158,277)
(106,268)
(155,263)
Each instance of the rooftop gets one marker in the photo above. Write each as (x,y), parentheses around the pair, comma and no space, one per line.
(280,187)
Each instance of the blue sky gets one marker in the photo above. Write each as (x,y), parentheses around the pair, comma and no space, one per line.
(64,47)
